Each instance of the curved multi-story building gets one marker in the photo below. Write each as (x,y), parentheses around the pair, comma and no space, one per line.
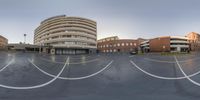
(3,42)
(67,35)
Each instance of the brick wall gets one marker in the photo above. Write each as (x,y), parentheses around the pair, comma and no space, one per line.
(161,44)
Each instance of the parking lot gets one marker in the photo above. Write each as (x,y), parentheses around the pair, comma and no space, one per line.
(33,76)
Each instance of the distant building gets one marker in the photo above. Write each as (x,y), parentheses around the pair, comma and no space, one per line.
(3,42)
(194,40)
(166,44)
(67,35)
(114,44)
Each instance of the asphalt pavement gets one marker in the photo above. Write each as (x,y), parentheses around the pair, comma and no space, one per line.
(34,76)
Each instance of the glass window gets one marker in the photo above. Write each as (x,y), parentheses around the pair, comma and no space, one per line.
(122,44)
(135,44)
(118,44)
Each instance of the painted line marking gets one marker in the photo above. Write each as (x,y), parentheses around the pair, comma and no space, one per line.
(86,57)
(82,62)
(41,85)
(75,78)
(10,62)
(162,77)
(131,56)
(192,81)
(164,61)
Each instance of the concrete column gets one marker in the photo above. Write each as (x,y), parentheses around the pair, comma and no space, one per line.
(178,49)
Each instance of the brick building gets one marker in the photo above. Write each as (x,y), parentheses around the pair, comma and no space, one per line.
(3,42)
(114,44)
(166,44)
(194,40)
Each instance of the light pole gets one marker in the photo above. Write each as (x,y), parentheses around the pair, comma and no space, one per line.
(25,38)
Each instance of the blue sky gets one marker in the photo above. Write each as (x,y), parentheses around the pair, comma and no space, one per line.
(125,18)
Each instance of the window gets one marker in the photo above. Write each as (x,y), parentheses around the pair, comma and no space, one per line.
(55,37)
(107,39)
(107,50)
(127,44)
(118,44)
(122,44)
(70,43)
(135,44)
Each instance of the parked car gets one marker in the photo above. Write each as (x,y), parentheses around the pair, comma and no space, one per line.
(133,53)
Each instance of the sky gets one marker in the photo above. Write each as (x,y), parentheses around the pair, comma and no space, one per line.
(129,19)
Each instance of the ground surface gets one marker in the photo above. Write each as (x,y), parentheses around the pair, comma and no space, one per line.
(32,76)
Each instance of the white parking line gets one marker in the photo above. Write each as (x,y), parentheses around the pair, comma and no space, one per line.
(41,85)
(131,56)
(164,61)
(86,57)
(73,63)
(75,78)
(10,62)
(161,77)
(192,81)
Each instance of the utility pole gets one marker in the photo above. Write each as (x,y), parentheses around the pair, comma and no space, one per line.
(25,38)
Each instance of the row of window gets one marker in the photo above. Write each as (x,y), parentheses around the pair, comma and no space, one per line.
(68,20)
(82,27)
(74,43)
(59,31)
(108,39)
(117,45)
(71,36)
(63,30)
(115,50)
(179,44)
(42,28)
(173,39)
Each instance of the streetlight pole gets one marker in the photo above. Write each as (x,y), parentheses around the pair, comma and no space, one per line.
(25,38)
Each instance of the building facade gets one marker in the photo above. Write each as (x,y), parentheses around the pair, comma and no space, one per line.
(3,42)
(166,44)
(194,40)
(23,47)
(114,44)
(66,35)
